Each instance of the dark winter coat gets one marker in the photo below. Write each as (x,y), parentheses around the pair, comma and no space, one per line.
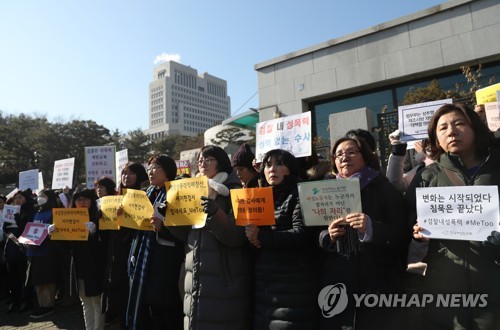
(457,266)
(218,274)
(285,278)
(13,252)
(89,258)
(379,266)
(154,272)
(44,263)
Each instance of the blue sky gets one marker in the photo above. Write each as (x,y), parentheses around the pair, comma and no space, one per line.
(94,59)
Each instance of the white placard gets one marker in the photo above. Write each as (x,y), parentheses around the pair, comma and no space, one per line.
(414,118)
(99,162)
(458,212)
(63,173)
(8,213)
(41,186)
(327,200)
(291,133)
(28,179)
(121,161)
(492,115)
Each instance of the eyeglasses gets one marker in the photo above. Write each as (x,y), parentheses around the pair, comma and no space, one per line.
(82,199)
(206,161)
(350,153)
(153,167)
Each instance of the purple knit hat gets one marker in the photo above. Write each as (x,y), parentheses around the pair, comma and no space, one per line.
(243,157)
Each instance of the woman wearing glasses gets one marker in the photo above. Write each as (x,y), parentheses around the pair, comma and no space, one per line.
(89,260)
(365,250)
(155,261)
(217,281)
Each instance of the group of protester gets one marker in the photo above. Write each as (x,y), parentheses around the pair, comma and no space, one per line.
(224,276)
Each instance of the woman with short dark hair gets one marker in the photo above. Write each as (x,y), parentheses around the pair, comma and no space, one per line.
(366,249)
(217,281)
(155,260)
(460,266)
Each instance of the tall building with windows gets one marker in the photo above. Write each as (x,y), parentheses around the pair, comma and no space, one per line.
(185,103)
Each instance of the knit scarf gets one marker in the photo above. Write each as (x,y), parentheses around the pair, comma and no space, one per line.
(138,268)
(365,176)
(349,244)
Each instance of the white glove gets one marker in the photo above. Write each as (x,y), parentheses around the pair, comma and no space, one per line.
(91,227)
(394,137)
(51,229)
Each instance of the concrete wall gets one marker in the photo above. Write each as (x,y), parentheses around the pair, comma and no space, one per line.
(432,41)
(342,122)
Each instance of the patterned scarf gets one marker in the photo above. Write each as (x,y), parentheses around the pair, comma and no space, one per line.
(349,244)
(138,268)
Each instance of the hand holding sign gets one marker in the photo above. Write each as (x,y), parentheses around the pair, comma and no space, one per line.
(252,232)
(493,241)
(210,206)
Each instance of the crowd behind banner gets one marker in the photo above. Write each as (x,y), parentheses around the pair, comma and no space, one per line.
(285,254)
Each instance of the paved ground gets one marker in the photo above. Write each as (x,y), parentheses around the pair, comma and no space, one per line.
(65,317)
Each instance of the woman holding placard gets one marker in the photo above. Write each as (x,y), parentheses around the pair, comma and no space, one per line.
(90,260)
(366,250)
(155,260)
(217,281)
(116,284)
(285,279)
(43,259)
(460,266)
(15,258)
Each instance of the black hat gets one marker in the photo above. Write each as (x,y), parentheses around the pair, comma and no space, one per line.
(243,157)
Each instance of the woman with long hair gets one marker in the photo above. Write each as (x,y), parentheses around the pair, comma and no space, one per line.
(116,285)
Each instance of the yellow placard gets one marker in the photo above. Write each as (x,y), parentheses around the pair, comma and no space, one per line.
(184,202)
(253,206)
(109,206)
(70,224)
(487,94)
(137,210)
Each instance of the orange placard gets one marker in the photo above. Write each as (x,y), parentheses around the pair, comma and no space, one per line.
(253,206)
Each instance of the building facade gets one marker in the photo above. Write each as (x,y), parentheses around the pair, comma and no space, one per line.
(374,68)
(181,102)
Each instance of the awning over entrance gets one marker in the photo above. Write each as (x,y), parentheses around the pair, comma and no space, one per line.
(246,120)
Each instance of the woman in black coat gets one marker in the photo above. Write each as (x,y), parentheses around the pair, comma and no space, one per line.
(374,260)
(90,262)
(14,257)
(285,279)
(155,261)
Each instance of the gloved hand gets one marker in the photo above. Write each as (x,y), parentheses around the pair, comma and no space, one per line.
(493,241)
(398,147)
(209,205)
(394,137)
(162,209)
(91,227)
(51,229)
